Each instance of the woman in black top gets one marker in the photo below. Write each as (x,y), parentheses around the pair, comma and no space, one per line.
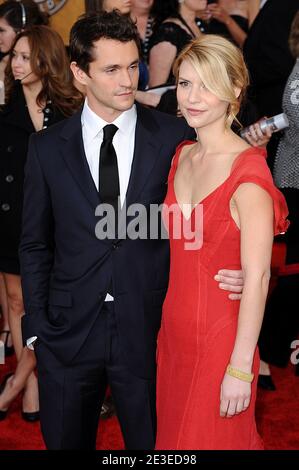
(14,17)
(231,18)
(175,26)
(39,92)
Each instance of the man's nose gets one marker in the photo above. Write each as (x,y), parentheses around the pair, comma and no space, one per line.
(126,79)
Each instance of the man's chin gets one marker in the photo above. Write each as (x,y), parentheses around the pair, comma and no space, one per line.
(125,103)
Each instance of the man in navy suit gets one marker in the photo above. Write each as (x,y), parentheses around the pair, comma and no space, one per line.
(94,303)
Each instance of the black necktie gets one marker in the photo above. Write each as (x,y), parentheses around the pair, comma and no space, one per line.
(108,176)
(108,169)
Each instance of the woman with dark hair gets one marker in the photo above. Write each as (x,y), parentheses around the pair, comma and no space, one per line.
(39,92)
(15,17)
(175,26)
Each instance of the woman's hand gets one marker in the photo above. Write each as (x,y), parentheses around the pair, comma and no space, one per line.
(256,137)
(219,13)
(204,15)
(234,397)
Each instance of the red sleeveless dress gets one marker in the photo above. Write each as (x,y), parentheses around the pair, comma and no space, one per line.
(199,322)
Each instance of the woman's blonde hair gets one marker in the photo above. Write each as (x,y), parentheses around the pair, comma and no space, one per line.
(221,67)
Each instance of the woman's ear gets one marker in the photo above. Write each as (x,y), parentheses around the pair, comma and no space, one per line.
(237,91)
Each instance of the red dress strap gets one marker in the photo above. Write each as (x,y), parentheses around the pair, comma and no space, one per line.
(175,160)
(251,167)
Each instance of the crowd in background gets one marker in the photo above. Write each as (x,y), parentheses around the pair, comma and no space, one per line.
(37,90)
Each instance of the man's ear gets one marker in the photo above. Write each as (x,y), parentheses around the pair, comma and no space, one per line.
(78,73)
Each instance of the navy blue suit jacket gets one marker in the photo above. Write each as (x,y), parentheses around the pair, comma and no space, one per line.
(66,270)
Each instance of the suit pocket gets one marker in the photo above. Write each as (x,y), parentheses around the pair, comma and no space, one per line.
(59,311)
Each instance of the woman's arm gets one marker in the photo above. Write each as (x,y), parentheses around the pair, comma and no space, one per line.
(148,98)
(161,58)
(253,9)
(253,209)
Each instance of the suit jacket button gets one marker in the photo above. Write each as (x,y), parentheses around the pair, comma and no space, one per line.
(10,149)
(5,207)
(9,178)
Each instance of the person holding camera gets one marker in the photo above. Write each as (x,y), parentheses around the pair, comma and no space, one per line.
(280,325)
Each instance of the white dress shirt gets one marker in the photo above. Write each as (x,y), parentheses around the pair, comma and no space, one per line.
(124,144)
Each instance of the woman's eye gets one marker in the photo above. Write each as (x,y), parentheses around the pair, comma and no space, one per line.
(183,84)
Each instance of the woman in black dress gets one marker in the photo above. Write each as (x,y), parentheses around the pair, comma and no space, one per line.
(176,24)
(39,93)
(231,18)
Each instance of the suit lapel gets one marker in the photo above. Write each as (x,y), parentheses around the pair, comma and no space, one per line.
(145,154)
(74,155)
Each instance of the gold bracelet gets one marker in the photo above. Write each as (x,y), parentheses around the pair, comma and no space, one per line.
(239,374)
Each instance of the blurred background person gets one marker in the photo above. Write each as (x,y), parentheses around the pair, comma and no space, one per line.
(231,18)
(175,26)
(39,92)
(124,6)
(269,60)
(281,323)
(141,13)
(14,17)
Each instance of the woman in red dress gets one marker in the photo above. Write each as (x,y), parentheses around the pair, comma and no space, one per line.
(222,190)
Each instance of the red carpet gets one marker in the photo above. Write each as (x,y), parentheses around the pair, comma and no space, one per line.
(277,416)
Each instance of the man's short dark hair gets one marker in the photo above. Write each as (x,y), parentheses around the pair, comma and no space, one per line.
(91,27)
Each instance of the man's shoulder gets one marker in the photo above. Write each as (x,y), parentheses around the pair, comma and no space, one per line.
(163,120)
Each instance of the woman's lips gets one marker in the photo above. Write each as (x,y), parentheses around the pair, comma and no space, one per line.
(195,112)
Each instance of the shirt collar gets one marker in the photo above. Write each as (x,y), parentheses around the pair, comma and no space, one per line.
(93,124)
